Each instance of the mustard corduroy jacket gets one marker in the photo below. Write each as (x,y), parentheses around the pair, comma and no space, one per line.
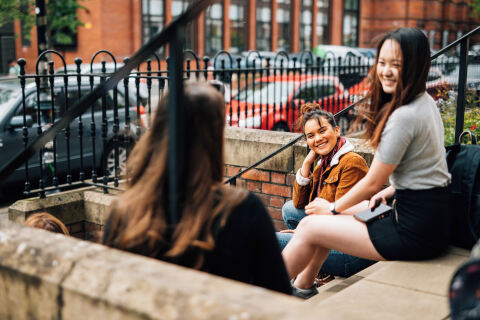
(338,180)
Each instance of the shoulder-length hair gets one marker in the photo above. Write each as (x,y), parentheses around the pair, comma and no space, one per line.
(413,75)
(138,221)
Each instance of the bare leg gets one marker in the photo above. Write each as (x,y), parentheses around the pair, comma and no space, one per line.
(307,276)
(323,232)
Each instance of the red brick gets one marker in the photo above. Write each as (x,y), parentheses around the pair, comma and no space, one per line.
(290,179)
(276,202)
(275,213)
(265,199)
(277,178)
(241,183)
(279,225)
(79,235)
(89,226)
(277,190)
(254,186)
(93,236)
(75,227)
(258,175)
(231,171)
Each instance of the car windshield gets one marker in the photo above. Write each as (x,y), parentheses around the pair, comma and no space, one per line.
(273,92)
(8,96)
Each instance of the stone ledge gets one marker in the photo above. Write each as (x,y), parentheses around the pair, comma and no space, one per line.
(50,276)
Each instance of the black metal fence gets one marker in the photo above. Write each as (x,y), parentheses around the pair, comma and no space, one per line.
(261,91)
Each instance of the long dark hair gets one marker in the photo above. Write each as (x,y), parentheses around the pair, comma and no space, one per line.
(414,73)
(138,220)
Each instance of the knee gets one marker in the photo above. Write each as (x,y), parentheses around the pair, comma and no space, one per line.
(305,226)
(288,210)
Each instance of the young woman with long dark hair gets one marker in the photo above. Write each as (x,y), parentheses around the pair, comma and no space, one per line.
(405,127)
(221,230)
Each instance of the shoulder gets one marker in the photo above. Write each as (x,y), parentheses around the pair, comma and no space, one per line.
(251,205)
(352,159)
(409,113)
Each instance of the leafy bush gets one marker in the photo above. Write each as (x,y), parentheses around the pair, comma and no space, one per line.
(448,103)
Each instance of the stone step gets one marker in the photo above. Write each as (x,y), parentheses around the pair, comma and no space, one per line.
(393,290)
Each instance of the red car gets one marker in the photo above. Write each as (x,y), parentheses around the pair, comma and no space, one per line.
(273,102)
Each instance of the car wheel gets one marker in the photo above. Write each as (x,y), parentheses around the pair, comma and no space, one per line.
(122,158)
(344,124)
(280,126)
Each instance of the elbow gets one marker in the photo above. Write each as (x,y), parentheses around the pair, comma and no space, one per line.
(373,184)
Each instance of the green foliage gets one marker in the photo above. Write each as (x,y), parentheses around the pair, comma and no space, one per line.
(447,104)
(62,21)
(475,4)
(17,9)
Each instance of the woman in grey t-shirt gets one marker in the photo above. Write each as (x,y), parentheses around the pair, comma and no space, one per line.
(404,125)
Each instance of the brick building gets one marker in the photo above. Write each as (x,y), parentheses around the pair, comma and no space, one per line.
(121,26)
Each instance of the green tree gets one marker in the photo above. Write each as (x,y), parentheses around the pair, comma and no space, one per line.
(475,4)
(62,20)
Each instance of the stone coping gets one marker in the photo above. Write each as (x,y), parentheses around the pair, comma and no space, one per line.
(49,276)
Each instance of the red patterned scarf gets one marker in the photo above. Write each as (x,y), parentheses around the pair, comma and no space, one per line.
(325,160)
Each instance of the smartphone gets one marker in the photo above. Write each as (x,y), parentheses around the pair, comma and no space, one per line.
(378,212)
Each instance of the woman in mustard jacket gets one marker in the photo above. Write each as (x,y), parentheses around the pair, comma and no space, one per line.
(338,170)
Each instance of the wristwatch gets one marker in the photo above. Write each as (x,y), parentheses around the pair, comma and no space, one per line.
(332,209)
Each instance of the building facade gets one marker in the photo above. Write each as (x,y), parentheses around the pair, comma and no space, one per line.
(121,26)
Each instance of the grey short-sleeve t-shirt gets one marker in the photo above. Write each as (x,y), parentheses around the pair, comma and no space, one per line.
(413,139)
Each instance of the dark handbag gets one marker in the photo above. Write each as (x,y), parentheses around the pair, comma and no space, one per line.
(463,162)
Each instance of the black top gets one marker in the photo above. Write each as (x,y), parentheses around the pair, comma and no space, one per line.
(246,249)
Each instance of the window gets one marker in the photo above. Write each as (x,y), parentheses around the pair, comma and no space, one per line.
(214,29)
(283,20)
(152,19)
(25,37)
(322,30)
(350,23)
(264,25)
(306,25)
(238,26)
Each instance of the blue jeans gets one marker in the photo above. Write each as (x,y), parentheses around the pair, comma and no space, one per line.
(337,263)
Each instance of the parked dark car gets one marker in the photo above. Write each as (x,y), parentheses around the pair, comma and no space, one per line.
(41,112)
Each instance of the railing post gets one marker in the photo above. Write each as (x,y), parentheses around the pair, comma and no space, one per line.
(175,132)
(462,79)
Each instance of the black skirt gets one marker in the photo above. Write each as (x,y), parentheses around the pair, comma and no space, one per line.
(418,228)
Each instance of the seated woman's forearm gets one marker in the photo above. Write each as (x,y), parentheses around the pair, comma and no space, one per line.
(363,190)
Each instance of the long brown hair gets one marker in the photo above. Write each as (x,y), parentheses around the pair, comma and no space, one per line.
(413,74)
(138,220)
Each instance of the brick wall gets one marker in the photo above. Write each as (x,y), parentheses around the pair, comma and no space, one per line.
(85,230)
(273,188)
